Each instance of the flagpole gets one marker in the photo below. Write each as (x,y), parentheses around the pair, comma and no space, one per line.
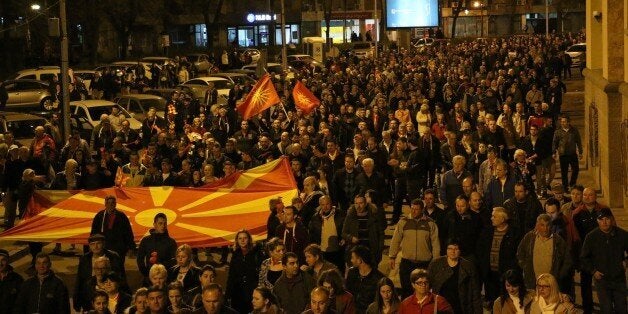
(284,52)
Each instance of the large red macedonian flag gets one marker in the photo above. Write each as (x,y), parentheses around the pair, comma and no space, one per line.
(200,217)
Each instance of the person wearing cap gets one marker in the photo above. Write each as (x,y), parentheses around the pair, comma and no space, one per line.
(115,226)
(118,300)
(43,293)
(86,267)
(10,283)
(603,255)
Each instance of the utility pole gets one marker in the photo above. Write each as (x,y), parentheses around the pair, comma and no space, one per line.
(547,18)
(64,70)
(375,29)
(284,52)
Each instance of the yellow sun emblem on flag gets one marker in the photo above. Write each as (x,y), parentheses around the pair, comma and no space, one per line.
(260,97)
(301,98)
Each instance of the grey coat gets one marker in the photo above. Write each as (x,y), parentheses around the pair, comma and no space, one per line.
(561,259)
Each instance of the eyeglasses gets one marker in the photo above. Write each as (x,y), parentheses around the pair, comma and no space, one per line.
(422,283)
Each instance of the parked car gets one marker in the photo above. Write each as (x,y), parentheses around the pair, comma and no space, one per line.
(138,104)
(160,61)
(422,42)
(22,125)
(166,93)
(43,73)
(248,72)
(28,93)
(133,65)
(275,68)
(363,50)
(577,53)
(200,84)
(235,78)
(91,110)
(254,53)
(201,61)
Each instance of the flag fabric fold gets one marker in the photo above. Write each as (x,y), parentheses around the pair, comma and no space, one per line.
(304,99)
(262,96)
(201,217)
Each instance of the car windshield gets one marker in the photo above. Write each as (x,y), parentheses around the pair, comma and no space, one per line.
(361,46)
(579,48)
(158,104)
(24,129)
(96,111)
(222,84)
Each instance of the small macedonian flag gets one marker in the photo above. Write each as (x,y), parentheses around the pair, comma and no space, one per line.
(262,96)
(304,99)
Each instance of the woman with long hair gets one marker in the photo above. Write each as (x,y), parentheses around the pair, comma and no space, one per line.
(243,271)
(514,298)
(272,267)
(386,300)
(184,272)
(140,305)
(340,299)
(548,298)
(264,301)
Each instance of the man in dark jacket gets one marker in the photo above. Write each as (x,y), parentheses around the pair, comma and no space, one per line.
(157,247)
(497,252)
(328,238)
(362,278)
(116,228)
(10,283)
(523,209)
(43,293)
(603,255)
(370,235)
(293,287)
(464,225)
(459,283)
(84,272)
(541,251)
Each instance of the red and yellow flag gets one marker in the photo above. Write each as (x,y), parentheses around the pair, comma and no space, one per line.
(304,99)
(262,96)
(201,217)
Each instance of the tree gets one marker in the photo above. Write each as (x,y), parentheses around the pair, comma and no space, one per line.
(455,12)
(122,14)
(212,12)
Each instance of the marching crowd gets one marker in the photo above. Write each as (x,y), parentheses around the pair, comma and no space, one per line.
(467,134)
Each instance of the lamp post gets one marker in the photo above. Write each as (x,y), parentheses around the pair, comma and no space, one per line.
(375,29)
(35,8)
(479,5)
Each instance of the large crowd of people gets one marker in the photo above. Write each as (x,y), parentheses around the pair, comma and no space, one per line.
(467,134)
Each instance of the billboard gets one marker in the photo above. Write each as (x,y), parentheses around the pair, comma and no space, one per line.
(411,13)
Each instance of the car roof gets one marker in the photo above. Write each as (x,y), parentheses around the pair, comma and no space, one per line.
(141,96)
(19,116)
(227,74)
(92,103)
(84,71)
(209,78)
(25,80)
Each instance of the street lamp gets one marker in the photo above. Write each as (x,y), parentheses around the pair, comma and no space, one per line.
(34,7)
(479,5)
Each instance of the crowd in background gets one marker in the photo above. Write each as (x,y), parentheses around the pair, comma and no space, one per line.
(469,135)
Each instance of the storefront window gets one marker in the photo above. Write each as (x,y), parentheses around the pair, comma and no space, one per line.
(262,34)
(246,37)
(231,35)
(200,35)
(291,32)
(336,28)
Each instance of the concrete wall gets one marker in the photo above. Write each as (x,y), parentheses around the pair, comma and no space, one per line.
(606,99)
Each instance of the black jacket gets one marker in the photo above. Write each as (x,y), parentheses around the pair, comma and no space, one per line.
(465,229)
(160,243)
(190,281)
(119,238)
(605,252)
(243,278)
(9,288)
(507,251)
(293,294)
(363,289)
(49,296)
(468,284)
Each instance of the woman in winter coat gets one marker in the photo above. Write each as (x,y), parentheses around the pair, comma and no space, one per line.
(243,272)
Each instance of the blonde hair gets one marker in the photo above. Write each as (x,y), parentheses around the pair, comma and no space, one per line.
(185,248)
(502,211)
(158,269)
(548,279)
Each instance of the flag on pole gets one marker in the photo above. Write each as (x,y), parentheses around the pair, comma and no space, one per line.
(262,96)
(304,99)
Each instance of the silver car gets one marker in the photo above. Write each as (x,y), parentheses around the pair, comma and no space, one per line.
(28,93)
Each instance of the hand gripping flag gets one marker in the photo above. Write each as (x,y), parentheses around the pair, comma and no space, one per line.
(304,99)
(262,96)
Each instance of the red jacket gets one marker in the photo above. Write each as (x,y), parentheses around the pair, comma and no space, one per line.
(412,306)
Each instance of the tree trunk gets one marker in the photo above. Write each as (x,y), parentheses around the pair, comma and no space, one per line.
(327,13)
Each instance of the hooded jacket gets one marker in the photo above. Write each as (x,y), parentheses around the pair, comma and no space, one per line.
(156,248)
